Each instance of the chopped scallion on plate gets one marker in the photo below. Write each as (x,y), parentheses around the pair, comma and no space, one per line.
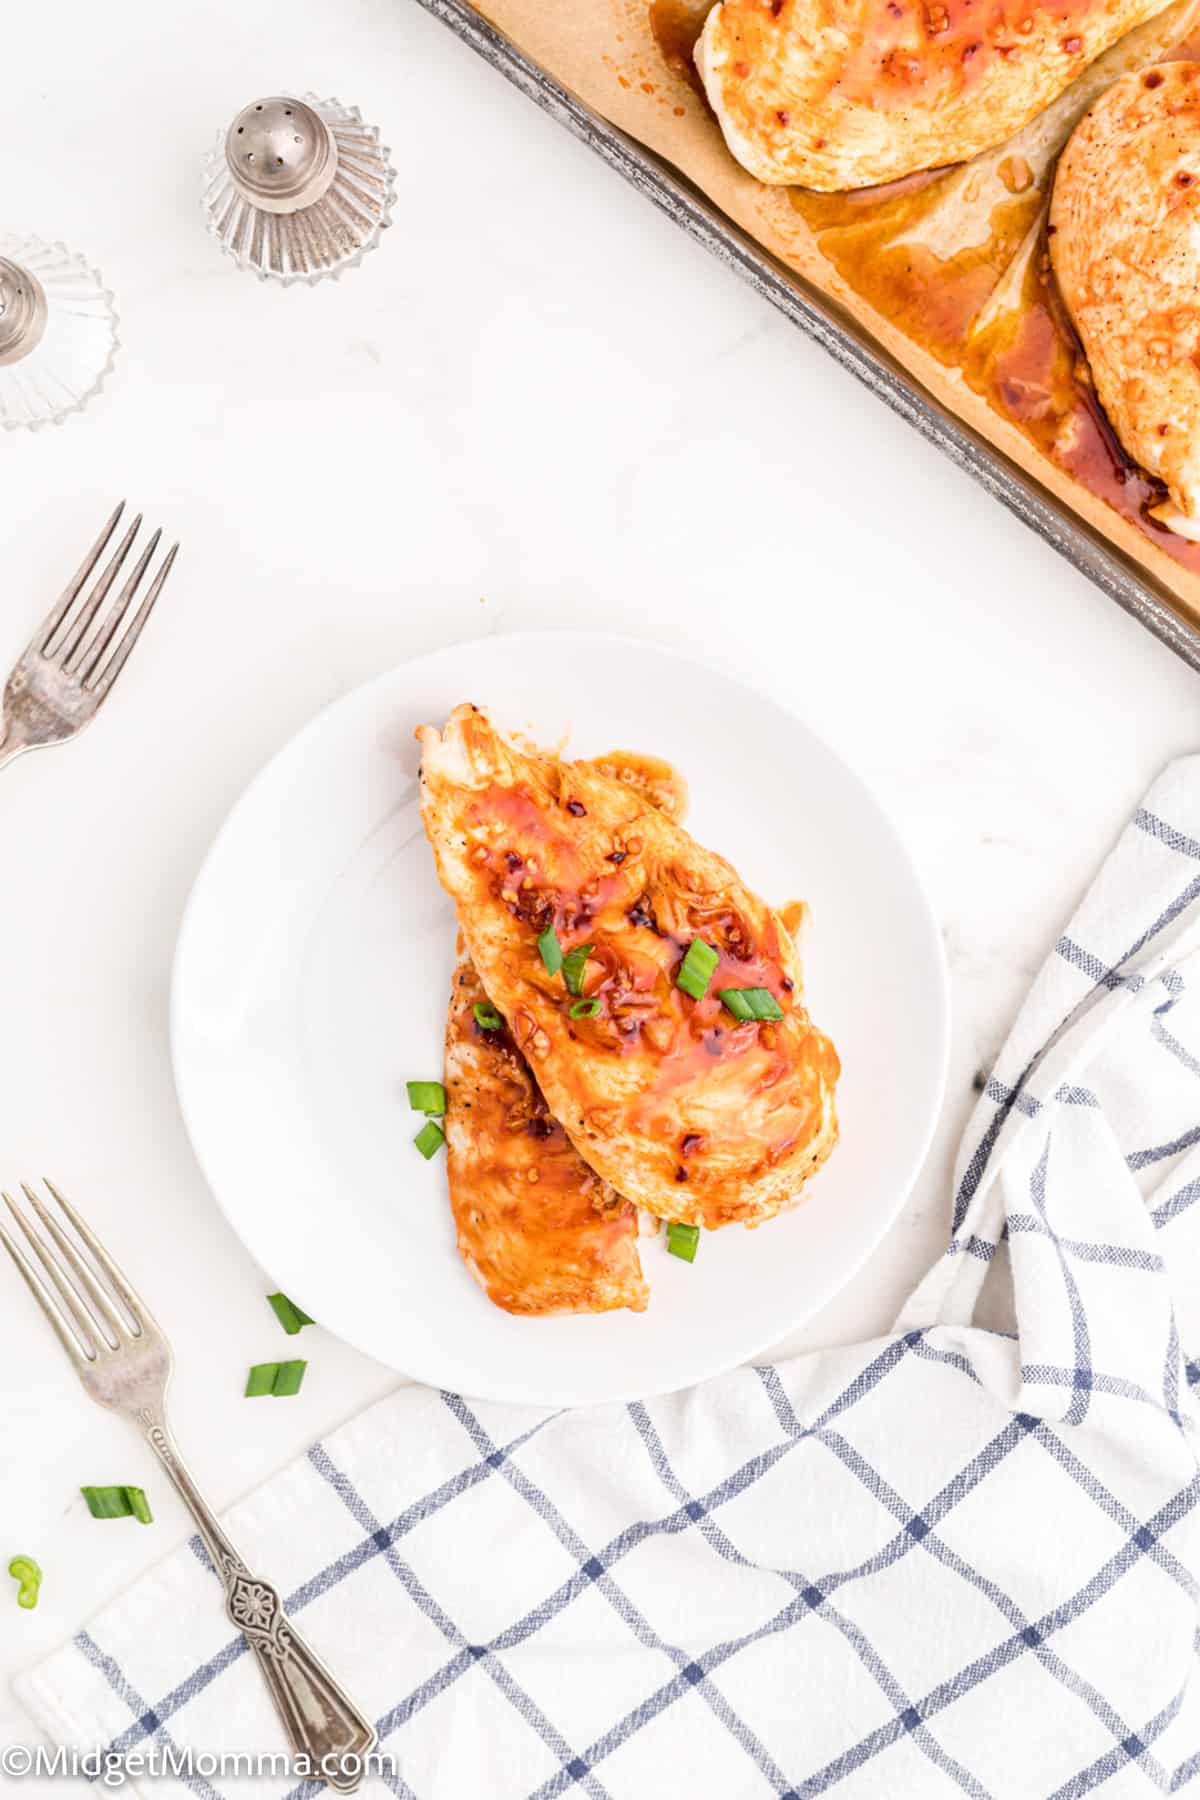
(427,1097)
(430,1139)
(550,950)
(281,1379)
(682,1240)
(697,969)
(751,1003)
(573,966)
(118,1503)
(584,1009)
(290,1316)
(486,1017)
(28,1577)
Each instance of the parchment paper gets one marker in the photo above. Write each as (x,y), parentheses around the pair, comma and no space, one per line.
(605,52)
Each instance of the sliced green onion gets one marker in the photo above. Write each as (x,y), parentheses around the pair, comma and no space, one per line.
(585,1009)
(289,1379)
(550,950)
(697,969)
(682,1240)
(139,1506)
(572,969)
(486,1017)
(288,1313)
(281,1379)
(28,1576)
(427,1096)
(429,1139)
(751,1003)
(117,1503)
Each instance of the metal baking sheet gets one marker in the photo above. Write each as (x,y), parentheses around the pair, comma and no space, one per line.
(836,331)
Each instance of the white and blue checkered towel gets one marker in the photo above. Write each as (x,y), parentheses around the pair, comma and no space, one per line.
(948,1561)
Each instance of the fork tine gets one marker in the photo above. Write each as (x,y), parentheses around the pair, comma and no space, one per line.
(77,630)
(76,1314)
(66,1336)
(138,1311)
(85,660)
(70,593)
(116,661)
(100,1303)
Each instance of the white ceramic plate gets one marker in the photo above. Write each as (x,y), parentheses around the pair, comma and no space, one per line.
(313,971)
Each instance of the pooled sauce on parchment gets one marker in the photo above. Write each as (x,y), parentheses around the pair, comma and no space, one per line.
(1025,360)
(676,24)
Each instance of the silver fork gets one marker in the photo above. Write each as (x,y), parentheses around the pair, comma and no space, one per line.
(124,1362)
(69,666)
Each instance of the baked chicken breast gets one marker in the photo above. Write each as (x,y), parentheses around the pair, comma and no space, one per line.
(835,94)
(680,1106)
(539,1231)
(1125,246)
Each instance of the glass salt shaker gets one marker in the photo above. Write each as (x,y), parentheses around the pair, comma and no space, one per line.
(58,333)
(298,189)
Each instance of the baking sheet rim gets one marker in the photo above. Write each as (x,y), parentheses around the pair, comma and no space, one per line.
(820,318)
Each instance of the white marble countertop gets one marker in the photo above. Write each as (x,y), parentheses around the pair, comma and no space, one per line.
(537,405)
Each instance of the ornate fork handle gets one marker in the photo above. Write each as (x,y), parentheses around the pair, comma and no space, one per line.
(322,1722)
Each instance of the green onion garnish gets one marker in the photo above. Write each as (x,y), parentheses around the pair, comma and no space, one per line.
(429,1139)
(550,950)
(288,1380)
(288,1313)
(751,1003)
(682,1240)
(28,1576)
(585,1009)
(118,1503)
(486,1017)
(280,1379)
(697,968)
(427,1096)
(572,969)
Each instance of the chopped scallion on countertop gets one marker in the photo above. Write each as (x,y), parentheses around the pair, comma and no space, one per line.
(427,1097)
(486,1017)
(573,965)
(697,969)
(682,1240)
(430,1139)
(28,1577)
(751,1003)
(282,1379)
(289,1379)
(550,950)
(118,1503)
(584,1009)
(288,1313)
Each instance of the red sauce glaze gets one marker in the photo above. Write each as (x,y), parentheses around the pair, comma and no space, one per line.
(535,869)
(943,47)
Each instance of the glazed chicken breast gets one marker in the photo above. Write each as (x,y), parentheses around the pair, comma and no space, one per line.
(538,1230)
(1125,247)
(683,1108)
(835,94)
